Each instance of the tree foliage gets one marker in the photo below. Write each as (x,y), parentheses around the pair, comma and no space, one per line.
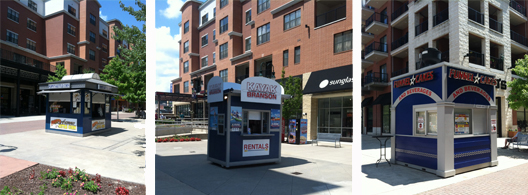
(59,73)
(292,86)
(127,70)
(519,87)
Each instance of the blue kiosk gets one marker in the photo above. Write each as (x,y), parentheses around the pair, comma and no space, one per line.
(78,105)
(444,119)
(244,121)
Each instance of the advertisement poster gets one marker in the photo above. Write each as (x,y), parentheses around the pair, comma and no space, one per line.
(494,125)
(236,118)
(275,119)
(420,127)
(292,130)
(256,147)
(304,130)
(87,97)
(213,119)
(98,124)
(461,124)
(69,124)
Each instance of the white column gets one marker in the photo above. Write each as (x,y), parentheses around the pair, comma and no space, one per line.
(445,140)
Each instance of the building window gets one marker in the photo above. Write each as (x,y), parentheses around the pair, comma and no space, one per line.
(72,11)
(205,61)
(12,37)
(214,34)
(285,58)
(105,48)
(248,44)
(343,41)
(248,16)
(71,29)
(297,58)
(214,57)
(205,40)
(186,86)
(223,75)
(223,51)
(263,5)
(31,25)
(335,115)
(92,37)
(186,27)
(223,3)
(292,20)
(263,34)
(214,12)
(186,47)
(71,49)
(31,44)
(223,25)
(12,14)
(105,33)
(92,55)
(92,19)
(205,18)
(104,61)
(186,67)
(32,5)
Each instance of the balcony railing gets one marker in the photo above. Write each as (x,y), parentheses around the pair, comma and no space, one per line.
(495,25)
(444,56)
(400,72)
(476,58)
(398,12)
(518,38)
(239,79)
(376,17)
(496,63)
(420,28)
(363,31)
(330,16)
(375,77)
(400,41)
(376,46)
(18,58)
(518,7)
(440,17)
(475,15)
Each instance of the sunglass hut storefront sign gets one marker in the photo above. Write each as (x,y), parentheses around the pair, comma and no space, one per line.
(261,90)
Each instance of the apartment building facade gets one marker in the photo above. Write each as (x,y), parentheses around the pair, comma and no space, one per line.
(311,40)
(479,34)
(38,35)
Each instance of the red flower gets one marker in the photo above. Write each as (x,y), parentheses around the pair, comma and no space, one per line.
(182,140)
(198,139)
(175,140)
(172,140)
(160,140)
(192,139)
(165,140)
(187,139)
(62,173)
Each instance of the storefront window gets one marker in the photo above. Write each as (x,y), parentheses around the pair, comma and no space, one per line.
(76,101)
(87,102)
(432,123)
(59,103)
(462,121)
(257,122)
(99,104)
(335,116)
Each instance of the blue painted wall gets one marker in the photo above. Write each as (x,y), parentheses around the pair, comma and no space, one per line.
(472,151)
(415,147)
(469,97)
(216,144)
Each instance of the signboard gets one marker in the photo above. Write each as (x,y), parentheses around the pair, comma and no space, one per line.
(256,147)
(461,124)
(292,130)
(469,76)
(59,86)
(493,125)
(98,124)
(214,90)
(421,124)
(260,90)
(333,79)
(236,118)
(68,124)
(275,119)
(213,118)
(415,79)
(104,87)
(304,130)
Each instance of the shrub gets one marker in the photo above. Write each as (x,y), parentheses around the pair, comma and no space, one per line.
(192,139)
(121,191)
(165,140)
(97,178)
(91,186)
(62,173)
(160,140)
(172,140)
(67,184)
(50,174)
(198,139)
(6,191)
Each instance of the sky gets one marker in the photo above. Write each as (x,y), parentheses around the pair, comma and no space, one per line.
(168,16)
(110,10)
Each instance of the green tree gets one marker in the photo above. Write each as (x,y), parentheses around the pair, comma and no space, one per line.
(86,71)
(59,73)
(292,86)
(519,87)
(127,70)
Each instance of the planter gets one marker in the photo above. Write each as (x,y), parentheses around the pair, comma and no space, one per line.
(512,133)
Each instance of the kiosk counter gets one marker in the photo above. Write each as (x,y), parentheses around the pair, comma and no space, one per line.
(78,105)
(443,118)
(244,121)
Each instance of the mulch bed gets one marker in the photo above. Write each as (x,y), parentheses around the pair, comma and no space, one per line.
(22,181)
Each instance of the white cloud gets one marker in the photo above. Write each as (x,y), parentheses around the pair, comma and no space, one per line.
(173,11)
(167,58)
(102,16)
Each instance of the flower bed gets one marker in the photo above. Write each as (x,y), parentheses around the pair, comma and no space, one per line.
(44,179)
(177,139)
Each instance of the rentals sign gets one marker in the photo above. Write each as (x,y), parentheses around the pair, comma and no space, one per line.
(256,147)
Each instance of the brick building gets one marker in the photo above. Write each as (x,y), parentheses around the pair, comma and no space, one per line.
(37,35)
(478,34)
(235,40)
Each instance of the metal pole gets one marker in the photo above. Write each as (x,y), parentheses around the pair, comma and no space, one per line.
(17,113)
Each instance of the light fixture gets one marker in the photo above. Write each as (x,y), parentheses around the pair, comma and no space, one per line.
(225,97)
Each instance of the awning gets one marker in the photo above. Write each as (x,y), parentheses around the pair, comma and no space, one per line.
(333,79)
(366,101)
(383,99)
(58,91)
(107,93)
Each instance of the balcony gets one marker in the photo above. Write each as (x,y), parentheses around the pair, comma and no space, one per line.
(518,7)
(330,16)
(519,43)
(21,59)
(495,25)
(440,17)
(400,72)
(496,63)
(476,58)
(399,18)
(376,3)
(421,28)
(517,13)
(475,16)
(366,11)
(400,41)
(365,36)
(239,79)
(376,51)
(365,63)
(376,23)
(375,81)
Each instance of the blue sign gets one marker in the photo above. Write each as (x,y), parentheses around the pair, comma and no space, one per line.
(275,119)
(59,86)
(104,87)
(213,118)
(236,118)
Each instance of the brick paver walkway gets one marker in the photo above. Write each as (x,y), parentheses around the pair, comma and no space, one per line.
(12,165)
(508,181)
(17,127)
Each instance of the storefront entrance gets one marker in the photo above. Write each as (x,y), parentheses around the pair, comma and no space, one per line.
(335,116)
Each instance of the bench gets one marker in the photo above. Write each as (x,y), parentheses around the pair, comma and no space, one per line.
(522,140)
(328,137)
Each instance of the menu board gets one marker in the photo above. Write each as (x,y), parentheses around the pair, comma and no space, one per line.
(461,124)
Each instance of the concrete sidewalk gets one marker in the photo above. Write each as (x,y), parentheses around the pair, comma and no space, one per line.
(397,179)
(115,154)
(12,119)
(182,168)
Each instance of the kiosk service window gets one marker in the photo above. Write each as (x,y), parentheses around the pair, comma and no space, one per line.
(255,122)
(76,101)
(469,120)
(425,121)
(98,103)
(87,100)
(59,103)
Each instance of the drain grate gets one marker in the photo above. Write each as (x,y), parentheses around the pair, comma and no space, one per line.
(296,173)
(192,152)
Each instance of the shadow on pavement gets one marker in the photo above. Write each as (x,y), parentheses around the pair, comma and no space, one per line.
(5,148)
(198,174)
(513,153)
(112,131)
(396,175)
